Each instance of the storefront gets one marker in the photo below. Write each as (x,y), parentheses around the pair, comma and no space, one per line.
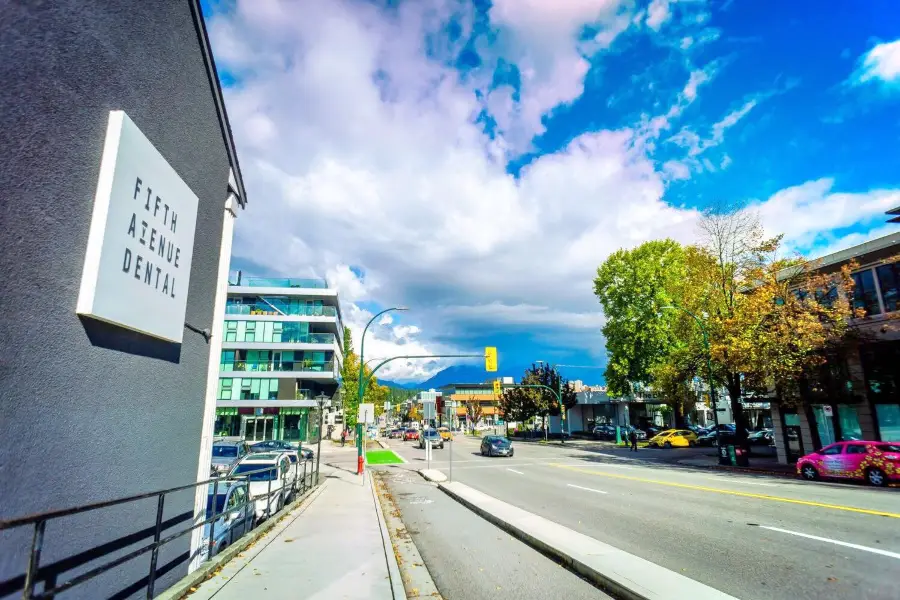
(258,423)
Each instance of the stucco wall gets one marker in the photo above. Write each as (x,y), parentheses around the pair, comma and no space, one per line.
(91,412)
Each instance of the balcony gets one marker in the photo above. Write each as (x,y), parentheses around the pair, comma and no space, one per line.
(306,369)
(275,307)
(281,282)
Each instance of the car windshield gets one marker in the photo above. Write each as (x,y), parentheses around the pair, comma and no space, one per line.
(500,441)
(271,473)
(224,451)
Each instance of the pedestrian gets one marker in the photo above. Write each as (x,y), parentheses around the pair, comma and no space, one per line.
(343,437)
(632,437)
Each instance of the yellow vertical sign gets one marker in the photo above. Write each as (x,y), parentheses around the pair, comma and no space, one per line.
(490,359)
(497,389)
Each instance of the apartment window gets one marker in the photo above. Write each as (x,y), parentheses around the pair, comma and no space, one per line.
(864,294)
(227,362)
(231,331)
(250,332)
(889,280)
(225,389)
(827,297)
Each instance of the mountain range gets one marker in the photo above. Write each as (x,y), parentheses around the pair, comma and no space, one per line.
(477,374)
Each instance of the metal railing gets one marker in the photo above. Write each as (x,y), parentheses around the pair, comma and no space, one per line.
(49,574)
(270,366)
(282,282)
(262,308)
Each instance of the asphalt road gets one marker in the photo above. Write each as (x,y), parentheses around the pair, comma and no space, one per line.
(471,559)
(747,535)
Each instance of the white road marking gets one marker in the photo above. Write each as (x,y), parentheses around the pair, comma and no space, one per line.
(837,542)
(586,489)
(514,471)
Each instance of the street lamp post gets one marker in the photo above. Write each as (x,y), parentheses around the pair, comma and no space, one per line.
(362,347)
(709,374)
(321,399)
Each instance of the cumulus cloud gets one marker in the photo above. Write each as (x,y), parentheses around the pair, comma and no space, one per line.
(880,64)
(366,162)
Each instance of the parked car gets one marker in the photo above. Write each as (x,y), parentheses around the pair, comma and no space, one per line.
(231,500)
(273,446)
(604,432)
(496,445)
(262,470)
(708,438)
(654,430)
(225,454)
(445,433)
(641,434)
(433,436)
(877,463)
(763,437)
(397,433)
(673,438)
(306,453)
(410,434)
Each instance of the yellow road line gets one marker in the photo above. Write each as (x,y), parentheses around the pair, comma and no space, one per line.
(702,488)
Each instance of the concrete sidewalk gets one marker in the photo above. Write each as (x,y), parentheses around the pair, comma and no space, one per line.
(333,546)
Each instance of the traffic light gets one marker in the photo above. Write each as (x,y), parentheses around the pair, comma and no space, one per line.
(490,359)
(497,389)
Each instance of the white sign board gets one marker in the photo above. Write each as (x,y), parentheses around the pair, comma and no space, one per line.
(141,241)
(366,413)
(387,406)
(827,410)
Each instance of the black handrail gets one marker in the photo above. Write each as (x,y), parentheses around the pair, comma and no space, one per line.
(35,573)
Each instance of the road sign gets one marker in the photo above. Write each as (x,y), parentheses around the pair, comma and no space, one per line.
(490,359)
(428,410)
(827,410)
(366,413)
(387,406)
(497,389)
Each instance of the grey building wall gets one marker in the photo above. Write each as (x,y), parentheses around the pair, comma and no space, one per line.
(92,412)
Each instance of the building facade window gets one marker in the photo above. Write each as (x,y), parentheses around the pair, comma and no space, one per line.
(274,332)
(275,360)
(254,388)
(888,416)
(889,281)
(865,296)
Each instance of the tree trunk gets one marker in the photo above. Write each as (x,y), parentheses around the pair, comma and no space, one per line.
(678,412)
(737,408)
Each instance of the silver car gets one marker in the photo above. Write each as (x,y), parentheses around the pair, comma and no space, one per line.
(234,515)
(433,436)
(226,454)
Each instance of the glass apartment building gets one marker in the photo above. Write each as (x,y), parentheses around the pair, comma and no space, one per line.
(282,348)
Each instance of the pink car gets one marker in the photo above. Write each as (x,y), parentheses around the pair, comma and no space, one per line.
(875,462)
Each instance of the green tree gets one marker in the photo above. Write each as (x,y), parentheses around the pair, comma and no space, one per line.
(375,393)
(633,286)
(520,404)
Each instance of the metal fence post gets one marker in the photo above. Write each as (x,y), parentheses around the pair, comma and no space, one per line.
(273,474)
(37,542)
(154,554)
(212,525)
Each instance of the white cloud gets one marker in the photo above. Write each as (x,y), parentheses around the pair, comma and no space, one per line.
(542,39)
(390,174)
(657,14)
(881,63)
(808,213)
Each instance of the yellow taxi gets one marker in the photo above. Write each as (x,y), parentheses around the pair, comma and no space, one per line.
(673,438)
(445,433)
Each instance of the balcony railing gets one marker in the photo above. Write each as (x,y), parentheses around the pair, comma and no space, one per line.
(289,338)
(284,366)
(273,308)
(282,282)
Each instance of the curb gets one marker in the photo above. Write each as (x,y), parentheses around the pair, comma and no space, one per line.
(184,587)
(618,585)
(415,578)
(397,590)
(433,475)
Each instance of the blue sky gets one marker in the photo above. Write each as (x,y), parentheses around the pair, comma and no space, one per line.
(478,161)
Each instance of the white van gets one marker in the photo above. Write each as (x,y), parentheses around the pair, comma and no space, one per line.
(264,472)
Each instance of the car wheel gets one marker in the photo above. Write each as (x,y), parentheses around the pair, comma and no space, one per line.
(511,453)
(668,444)
(809,473)
(691,443)
(876,477)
